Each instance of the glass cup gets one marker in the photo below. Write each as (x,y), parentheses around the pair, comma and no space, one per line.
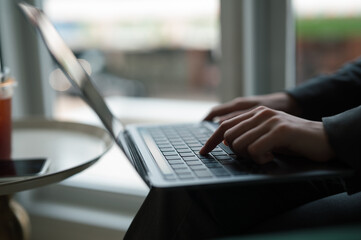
(6,92)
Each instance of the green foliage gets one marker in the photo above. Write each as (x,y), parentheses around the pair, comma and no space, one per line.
(328,29)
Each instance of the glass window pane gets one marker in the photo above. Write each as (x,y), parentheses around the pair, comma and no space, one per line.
(328,35)
(144,48)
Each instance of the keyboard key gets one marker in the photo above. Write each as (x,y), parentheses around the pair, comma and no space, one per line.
(224,157)
(196,149)
(180,165)
(216,153)
(167,149)
(171,153)
(186,154)
(182,171)
(164,145)
(226,148)
(203,173)
(184,150)
(213,165)
(174,137)
(190,158)
(157,137)
(171,162)
(204,156)
(198,167)
(172,158)
(188,138)
(195,145)
(219,172)
(228,162)
(208,160)
(185,175)
(190,163)
(180,146)
(203,137)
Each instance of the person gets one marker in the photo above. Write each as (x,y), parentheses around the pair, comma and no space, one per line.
(320,120)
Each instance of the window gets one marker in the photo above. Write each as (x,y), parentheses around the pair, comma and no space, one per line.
(158,49)
(328,35)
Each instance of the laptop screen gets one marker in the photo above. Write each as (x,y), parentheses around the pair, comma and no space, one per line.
(67,61)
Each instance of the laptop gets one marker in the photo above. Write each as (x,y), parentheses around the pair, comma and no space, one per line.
(166,156)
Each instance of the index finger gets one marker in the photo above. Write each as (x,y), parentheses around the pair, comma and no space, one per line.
(213,141)
(219,111)
(218,135)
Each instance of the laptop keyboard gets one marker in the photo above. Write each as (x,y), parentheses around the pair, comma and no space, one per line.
(180,144)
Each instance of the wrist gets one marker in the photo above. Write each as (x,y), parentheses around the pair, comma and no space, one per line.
(282,101)
(292,105)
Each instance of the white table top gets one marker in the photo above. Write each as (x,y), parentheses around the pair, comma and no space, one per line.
(71,148)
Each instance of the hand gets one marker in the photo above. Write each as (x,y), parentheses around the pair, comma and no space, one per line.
(277,101)
(263,131)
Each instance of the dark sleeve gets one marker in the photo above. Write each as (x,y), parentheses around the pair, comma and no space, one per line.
(344,134)
(332,94)
(336,99)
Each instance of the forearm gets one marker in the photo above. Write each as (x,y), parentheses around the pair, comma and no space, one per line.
(329,95)
(344,132)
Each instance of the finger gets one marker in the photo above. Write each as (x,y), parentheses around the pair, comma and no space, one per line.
(241,142)
(226,108)
(257,117)
(261,150)
(230,115)
(220,110)
(234,114)
(218,136)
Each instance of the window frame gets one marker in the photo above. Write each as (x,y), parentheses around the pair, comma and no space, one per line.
(28,60)
(254,59)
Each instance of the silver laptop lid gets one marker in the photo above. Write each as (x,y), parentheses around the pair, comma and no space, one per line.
(79,78)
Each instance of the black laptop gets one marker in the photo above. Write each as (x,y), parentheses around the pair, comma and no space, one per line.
(166,156)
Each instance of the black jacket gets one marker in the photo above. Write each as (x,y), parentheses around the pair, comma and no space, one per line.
(336,101)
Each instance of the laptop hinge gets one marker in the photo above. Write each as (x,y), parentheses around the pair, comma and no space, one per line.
(136,158)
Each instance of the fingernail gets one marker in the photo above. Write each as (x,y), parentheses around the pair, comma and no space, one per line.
(225,143)
(201,151)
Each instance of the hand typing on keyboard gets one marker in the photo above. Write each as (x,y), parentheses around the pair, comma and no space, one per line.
(277,101)
(262,131)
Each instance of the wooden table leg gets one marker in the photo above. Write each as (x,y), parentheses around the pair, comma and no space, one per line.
(14,221)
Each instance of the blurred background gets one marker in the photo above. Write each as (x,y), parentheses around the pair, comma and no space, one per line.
(160,60)
(327,35)
(162,49)
(171,49)
(156,49)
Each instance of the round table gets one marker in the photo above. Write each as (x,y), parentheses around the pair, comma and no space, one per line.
(70,148)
